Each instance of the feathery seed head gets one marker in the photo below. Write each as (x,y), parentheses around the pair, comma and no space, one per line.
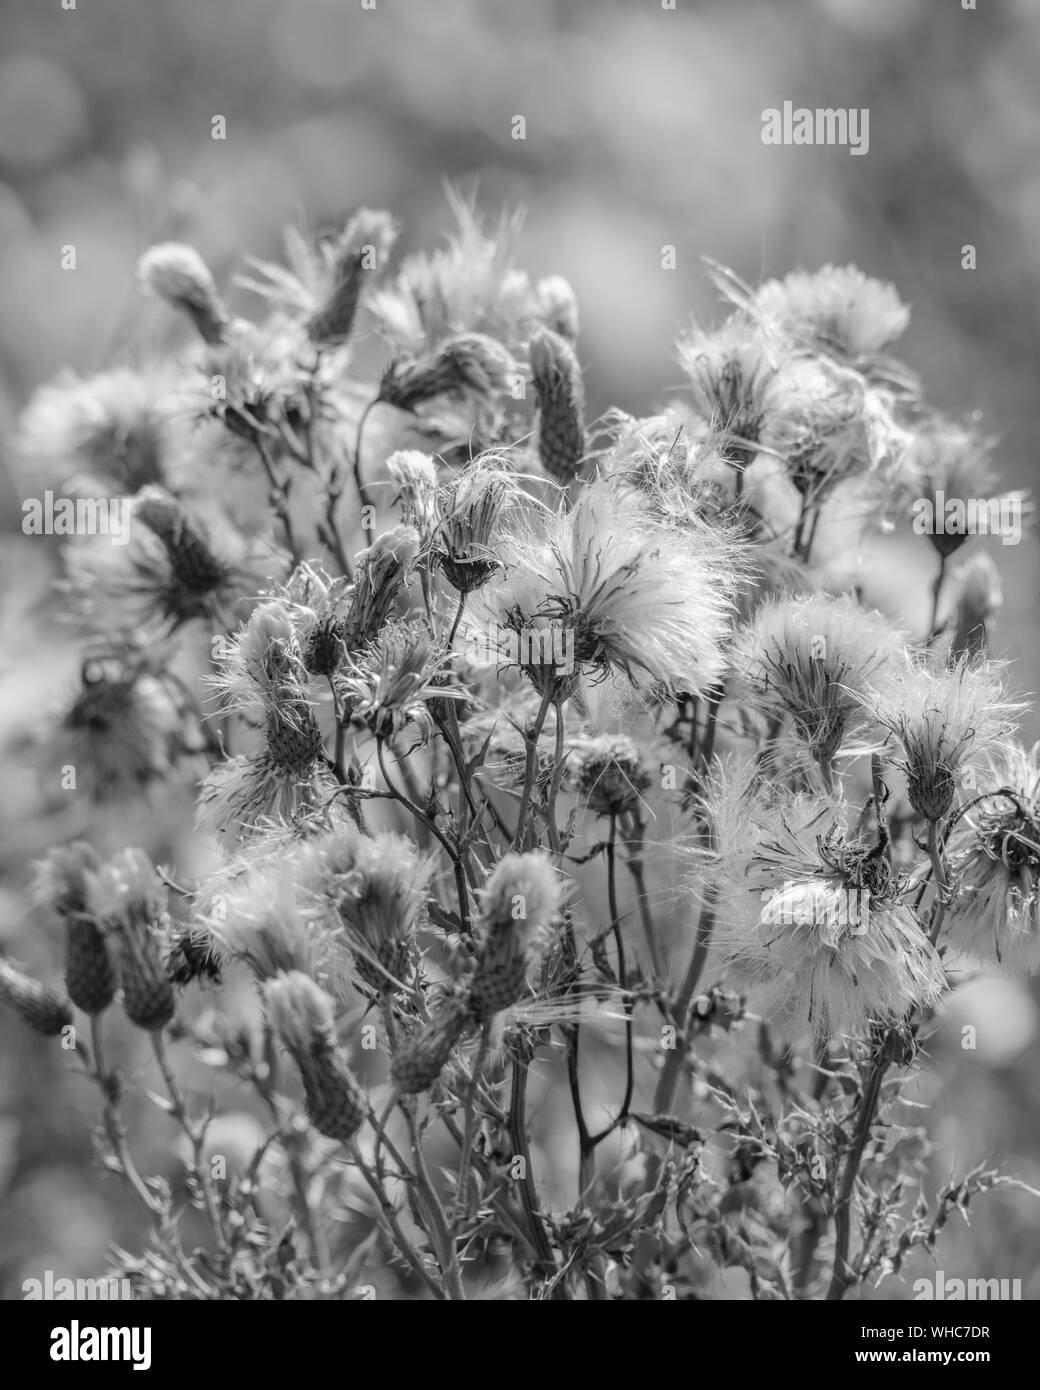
(177,274)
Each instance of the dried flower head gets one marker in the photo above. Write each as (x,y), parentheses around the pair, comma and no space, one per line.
(381,574)
(108,431)
(815,920)
(177,274)
(392,682)
(942,718)
(558,307)
(377,886)
(119,733)
(315,603)
(811,660)
(473,508)
(836,309)
(995,860)
(614,590)
(415,474)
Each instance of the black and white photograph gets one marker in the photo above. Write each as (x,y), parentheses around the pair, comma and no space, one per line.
(518,679)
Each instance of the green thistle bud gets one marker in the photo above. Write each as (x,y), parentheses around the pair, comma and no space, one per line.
(931,792)
(561,405)
(41,1007)
(293,736)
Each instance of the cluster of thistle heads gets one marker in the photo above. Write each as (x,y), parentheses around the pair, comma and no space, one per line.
(427,636)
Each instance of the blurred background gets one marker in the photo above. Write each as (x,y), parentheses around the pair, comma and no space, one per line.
(643,130)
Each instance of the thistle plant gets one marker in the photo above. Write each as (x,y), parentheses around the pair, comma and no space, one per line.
(533,755)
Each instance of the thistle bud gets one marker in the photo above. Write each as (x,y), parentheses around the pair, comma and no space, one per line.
(415,474)
(521,898)
(471,508)
(194,566)
(561,405)
(611,776)
(363,247)
(931,789)
(558,307)
(61,885)
(469,363)
(293,734)
(978,602)
(301,1014)
(177,274)
(128,898)
(41,1007)
(381,572)
(420,1060)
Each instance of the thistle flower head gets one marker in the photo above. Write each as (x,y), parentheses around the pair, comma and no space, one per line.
(120,731)
(610,772)
(621,593)
(995,860)
(558,307)
(837,309)
(558,385)
(415,474)
(816,922)
(472,508)
(61,884)
(390,684)
(518,905)
(377,885)
(811,660)
(315,602)
(469,285)
(420,1060)
(363,247)
(942,718)
(261,662)
(60,878)
(730,370)
(263,917)
(107,431)
(178,275)
(128,898)
(36,1004)
(174,569)
(467,364)
(953,460)
(381,574)
(243,797)
(301,1015)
